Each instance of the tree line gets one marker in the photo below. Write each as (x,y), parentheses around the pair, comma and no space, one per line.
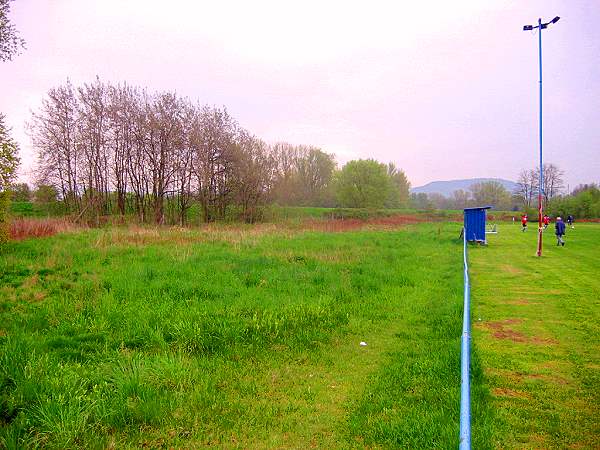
(109,149)
(115,149)
(523,197)
(479,194)
(582,202)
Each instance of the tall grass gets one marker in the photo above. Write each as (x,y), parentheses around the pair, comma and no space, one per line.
(196,339)
(22,228)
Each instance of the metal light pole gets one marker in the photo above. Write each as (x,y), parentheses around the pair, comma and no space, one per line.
(540,26)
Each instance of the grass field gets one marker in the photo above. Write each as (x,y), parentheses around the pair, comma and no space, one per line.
(537,335)
(248,336)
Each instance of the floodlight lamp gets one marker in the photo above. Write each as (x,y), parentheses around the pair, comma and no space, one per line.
(528,28)
(556,19)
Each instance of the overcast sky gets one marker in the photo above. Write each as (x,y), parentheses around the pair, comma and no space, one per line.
(445,89)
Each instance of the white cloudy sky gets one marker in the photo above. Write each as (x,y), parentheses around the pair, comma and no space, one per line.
(446,89)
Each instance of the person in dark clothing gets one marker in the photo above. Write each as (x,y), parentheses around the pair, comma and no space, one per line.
(570,220)
(560,229)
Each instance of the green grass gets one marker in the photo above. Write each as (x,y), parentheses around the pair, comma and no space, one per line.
(537,333)
(232,337)
(248,337)
(25,209)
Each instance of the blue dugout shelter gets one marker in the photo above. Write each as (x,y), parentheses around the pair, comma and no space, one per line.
(474,222)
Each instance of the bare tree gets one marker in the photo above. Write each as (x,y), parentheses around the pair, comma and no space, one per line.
(461,199)
(121,115)
(553,181)
(213,160)
(137,163)
(527,187)
(286,158)
(183,173)
(92,146)
(303,174)
(165,141)
(54,132)
(255,172)
(491,193)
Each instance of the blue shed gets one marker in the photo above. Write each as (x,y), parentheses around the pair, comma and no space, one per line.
(475,223)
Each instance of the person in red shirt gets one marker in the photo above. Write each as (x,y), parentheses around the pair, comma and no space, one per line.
(524,222)
(546,221)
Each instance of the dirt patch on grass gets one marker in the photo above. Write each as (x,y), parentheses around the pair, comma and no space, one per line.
(507,392)
(509,334)
(501,330)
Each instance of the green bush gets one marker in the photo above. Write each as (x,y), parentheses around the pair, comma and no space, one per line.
(583,205)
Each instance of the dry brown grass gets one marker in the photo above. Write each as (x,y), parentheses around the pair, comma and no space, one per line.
(23,228)
(141,235)
(235,234)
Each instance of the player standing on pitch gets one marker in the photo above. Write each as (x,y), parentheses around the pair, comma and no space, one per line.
(524,222)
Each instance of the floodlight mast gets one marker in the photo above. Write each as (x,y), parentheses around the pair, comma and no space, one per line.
(540,26)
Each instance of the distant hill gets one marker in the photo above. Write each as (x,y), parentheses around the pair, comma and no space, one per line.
(446,188)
